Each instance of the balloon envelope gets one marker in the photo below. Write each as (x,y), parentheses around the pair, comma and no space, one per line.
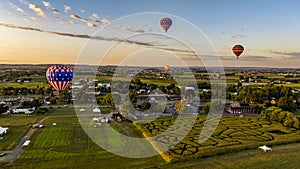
(59,76)
(238,50)
(166,23)
(218,75)
(167,68)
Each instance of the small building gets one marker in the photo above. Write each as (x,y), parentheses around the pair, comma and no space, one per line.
(23,110)
(3,130)
(26,143)
(237,108)
(96,110)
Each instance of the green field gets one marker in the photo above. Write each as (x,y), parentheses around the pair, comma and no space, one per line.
(233,134)
(233,144)
(18,126)
(29,85)
(67,146)
(285,156)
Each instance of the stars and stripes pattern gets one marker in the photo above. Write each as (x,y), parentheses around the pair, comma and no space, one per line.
(59,76)
(166,23)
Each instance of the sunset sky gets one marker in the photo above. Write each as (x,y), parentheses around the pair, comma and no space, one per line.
(56,31)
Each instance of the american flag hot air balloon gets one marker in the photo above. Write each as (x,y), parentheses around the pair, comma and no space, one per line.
(59,76)
(166,23)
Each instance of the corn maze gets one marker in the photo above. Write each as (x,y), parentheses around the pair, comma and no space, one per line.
(232,134)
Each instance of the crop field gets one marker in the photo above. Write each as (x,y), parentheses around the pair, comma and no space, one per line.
(284,156)
(233,134)
(18,126)
(66,145)
(29,85)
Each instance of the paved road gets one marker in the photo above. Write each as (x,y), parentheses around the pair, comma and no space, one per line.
(11,156)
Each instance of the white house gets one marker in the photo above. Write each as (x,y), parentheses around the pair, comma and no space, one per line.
(265,148)
(3,130)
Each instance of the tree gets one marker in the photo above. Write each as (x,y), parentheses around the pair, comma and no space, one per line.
(65,96)
(206,107)
(258,108)
(3,108)
(287,103)
(296,122)
(145,106)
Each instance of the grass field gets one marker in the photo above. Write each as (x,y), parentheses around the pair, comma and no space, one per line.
(18,126)
(284,156)
(29,85)
(233,134)
(235,143)
(67,146)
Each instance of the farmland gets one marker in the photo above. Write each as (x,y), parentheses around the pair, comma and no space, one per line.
(66,145)
(281,157)
(233,134)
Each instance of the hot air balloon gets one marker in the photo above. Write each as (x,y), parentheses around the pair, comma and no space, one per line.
(218,75)
(167,68)
(238,50)
(166,23)
(59,76)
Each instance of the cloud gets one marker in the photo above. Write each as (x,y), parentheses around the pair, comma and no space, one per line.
(67,8)
(240,36)
(82,10)
(24,2)
(74,16)
(98,21)
(55,11)
(94,16)
(89,24)
(105,21)
(75,35)
(131,29)
(287,54)
(72,22)
(13,6)
(145,44)
(38,10)
(252,58)
(46,4)
(33,18)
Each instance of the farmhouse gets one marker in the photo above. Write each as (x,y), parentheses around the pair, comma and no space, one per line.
(237,108)
(3,130)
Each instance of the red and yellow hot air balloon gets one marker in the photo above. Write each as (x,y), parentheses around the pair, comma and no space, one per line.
(166,23)
(238,50)
(218,75)
(167,68)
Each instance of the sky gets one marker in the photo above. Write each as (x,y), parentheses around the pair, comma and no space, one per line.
(61,31)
